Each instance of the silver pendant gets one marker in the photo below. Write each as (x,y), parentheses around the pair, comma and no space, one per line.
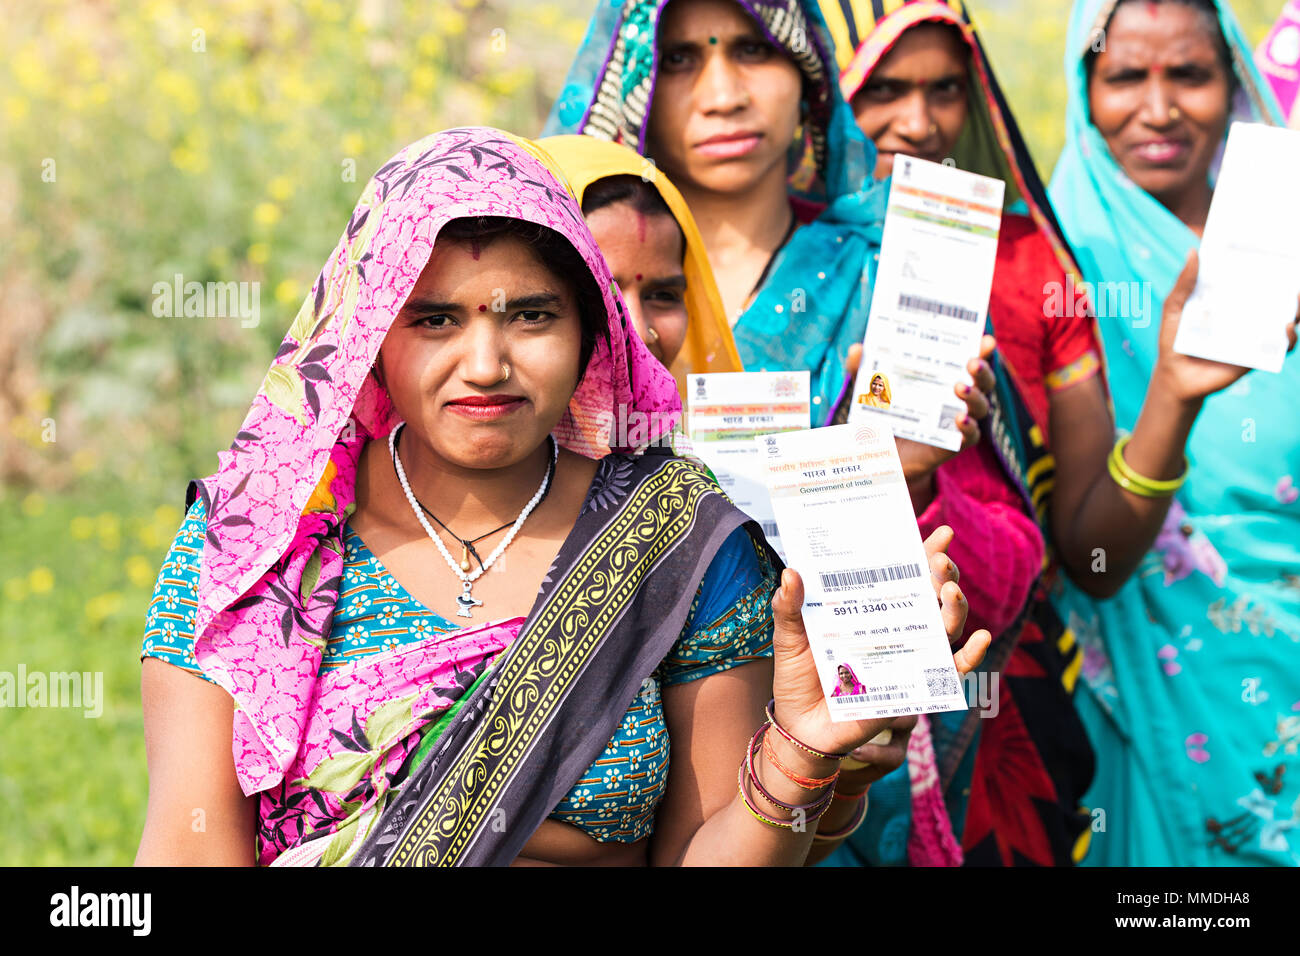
(465,601)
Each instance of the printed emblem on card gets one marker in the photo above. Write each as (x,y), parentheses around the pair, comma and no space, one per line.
(787,386)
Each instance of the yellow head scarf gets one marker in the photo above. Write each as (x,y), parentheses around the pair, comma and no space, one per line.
(709,346)
(886,396)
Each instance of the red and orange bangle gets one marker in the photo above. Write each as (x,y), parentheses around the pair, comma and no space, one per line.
(803,813)
(813,809)
(849,796)
(790,738)
(757,813)
(805,783)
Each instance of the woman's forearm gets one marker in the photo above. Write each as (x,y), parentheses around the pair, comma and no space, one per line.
(1109,534)
(735,837)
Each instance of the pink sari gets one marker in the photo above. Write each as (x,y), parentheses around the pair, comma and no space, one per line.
(273,557)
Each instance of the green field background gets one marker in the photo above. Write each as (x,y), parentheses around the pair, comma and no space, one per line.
(139,140)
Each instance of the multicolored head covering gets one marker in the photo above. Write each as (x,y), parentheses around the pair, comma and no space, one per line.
(815,300)
(617,106)
(990,143)
(709,345)
(277,503)
(1278,58)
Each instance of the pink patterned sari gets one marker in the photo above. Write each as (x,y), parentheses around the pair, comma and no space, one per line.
(324,749)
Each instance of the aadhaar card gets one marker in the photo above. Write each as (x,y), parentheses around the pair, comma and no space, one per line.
(740,472)
(931,299)
(1249,272)
(728,405)
(727,409)
(873,621)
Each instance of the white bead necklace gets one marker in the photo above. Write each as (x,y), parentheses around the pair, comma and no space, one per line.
(465,601)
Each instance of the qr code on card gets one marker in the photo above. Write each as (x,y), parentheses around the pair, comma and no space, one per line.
(941,682)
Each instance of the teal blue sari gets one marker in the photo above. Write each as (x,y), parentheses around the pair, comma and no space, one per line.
(1192,695)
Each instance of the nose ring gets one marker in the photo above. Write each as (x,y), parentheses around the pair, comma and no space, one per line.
(1175,113)
(934,128)
(505,374)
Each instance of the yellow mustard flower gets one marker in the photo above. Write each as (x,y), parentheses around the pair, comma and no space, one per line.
(287,291)
(280,188)
(139,571)
(103,606)
(266,214)
(40,580)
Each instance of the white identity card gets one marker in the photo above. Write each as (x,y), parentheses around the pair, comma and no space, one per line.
(727,409)
(1249,272)
(873,621)
(930,301)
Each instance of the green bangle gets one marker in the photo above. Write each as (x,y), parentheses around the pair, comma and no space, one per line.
(1131,481)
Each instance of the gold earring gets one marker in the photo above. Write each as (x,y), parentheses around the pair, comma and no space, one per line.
(651,335)
(505,374)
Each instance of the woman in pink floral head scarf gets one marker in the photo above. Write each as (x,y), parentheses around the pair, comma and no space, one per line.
(847,682)
(450,592)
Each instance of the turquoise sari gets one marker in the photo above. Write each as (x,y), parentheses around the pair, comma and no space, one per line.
(1192,695)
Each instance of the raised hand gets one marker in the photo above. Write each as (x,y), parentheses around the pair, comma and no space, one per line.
(919,459)
(1186,377)
(801,706)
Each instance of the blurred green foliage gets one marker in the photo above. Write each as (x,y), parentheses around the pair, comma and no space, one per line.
(222,140)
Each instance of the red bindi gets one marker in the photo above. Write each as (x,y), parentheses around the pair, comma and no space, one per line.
(638,277)
(482,308)
(1153,10)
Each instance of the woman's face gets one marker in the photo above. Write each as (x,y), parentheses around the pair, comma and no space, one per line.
(726,101)
(474,309)
(1159,95)
(916,99)
(645,252)
(877,386)
(846,677)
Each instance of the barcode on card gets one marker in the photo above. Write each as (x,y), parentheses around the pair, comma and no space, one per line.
(843,580)
(870,698)
(769,529)
(916,303)
(941,682)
